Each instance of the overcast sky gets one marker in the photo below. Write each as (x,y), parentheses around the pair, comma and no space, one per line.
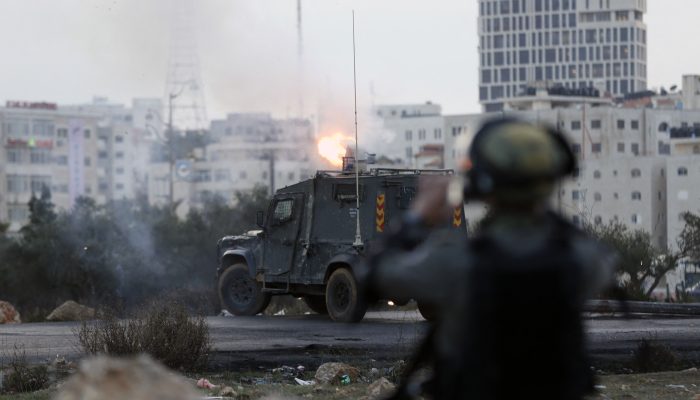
(66,51)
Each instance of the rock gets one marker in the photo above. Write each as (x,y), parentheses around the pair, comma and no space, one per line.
(71,311)
(331,373)
(227,391)
(138,378)
(380,389)
(8,314)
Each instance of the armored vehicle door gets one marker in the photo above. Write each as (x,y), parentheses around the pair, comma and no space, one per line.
(283,225)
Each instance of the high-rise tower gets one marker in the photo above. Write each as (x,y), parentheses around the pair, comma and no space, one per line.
(574,43)
(184,81)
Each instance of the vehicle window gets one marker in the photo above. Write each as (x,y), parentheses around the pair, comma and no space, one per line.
(283,211)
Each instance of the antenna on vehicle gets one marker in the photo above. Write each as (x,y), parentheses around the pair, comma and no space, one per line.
(358,235)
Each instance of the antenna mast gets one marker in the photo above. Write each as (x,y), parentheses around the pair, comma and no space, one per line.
(358,235)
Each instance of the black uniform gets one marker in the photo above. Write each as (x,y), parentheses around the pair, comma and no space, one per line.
(509,301)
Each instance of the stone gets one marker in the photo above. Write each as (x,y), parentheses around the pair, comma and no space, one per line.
(71,311)
(8,314)
(227,391)
(380,389)
(138,378)
(333,371)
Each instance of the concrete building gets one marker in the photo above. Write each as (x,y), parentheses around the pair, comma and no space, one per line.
(636,164)
(247,150)
(412,127)
(44,146)
(126,136)
(578,44)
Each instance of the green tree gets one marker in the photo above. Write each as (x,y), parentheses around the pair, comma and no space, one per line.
(643,265)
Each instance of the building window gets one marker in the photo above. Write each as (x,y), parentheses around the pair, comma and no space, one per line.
(634,124)
(620,124)
(596,174)
(598,220)
(87,133)
(620,147)
(597,197)
(409,135)
(575,125)
(421,134)
(575,195)
(119,186)
(636,196)
(595,124)
(635,149)
(596,147)
(636,173)
(119,170)
(616,196)
(409,153)
(576,148)
(682,171)
(119,154)
(39,156)
(636,219)
(118,138)
(243,175)
(14,156)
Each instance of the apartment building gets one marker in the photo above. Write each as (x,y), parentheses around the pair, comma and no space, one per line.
(247,150)
(639,166)
(578,44)
(43,146)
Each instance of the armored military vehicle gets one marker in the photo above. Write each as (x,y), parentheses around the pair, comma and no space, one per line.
(306,244)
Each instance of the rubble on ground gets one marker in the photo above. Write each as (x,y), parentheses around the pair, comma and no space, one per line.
(335,372)
(380,389)
(8,314)
(138,378)
(71,311)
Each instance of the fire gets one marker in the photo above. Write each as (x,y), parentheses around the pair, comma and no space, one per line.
(333,147)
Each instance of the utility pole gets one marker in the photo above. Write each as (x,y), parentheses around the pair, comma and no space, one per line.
(171,156)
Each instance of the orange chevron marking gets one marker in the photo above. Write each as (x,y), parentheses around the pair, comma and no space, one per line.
(380,212)
(457,218)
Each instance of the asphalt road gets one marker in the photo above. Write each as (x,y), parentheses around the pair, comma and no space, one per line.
(270,340)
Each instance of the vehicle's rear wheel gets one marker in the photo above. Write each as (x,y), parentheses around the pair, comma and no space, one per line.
(317,304)
(342,298)
(428,311)
(239,293)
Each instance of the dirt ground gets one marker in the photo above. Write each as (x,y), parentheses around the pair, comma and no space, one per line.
(657,386)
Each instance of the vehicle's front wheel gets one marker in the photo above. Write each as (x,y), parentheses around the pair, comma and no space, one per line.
(317,304)
(342,298)
(239,293)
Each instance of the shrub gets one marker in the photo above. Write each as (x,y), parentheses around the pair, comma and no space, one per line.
(165,331)
(22,377)
(651,356)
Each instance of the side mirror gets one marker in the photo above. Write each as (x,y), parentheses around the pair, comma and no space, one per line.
(260,219)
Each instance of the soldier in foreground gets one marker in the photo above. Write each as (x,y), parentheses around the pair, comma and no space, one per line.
(509,299)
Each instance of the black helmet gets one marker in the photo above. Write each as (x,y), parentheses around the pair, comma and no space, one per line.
(515,161)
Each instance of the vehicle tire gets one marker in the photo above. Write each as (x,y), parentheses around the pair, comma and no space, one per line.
(317,304)
(342,298)
(427,311)
(239,293)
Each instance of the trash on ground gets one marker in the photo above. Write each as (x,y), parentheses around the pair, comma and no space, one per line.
(333,372)
(205,384)
(303,382)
